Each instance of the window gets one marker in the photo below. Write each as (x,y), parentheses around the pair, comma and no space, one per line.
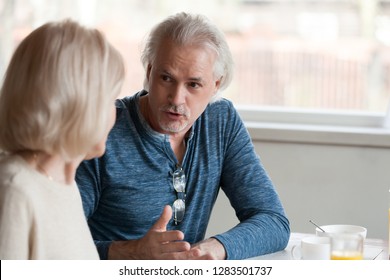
(293,58)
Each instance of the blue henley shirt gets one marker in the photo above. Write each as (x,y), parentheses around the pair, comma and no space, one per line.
(125,191)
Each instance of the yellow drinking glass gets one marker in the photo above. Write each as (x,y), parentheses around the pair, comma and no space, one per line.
(346,256)
(346,247)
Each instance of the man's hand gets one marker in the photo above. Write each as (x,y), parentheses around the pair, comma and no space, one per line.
(158,243)
(211,249)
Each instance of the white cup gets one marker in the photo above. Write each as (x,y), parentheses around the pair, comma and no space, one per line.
(312,248)
(344,229)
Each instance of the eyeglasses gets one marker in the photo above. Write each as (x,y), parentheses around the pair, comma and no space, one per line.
(179,184)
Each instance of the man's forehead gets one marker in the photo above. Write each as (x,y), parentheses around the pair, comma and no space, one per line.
(196,77)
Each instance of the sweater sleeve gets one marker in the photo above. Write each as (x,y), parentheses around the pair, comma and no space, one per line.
(15,225)
(264,227)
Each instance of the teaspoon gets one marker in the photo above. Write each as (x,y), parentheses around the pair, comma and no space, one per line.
(316,225)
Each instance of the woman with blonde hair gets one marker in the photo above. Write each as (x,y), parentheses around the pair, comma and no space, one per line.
(57,106)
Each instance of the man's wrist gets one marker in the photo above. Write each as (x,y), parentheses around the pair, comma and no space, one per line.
(212,247)
(123,250)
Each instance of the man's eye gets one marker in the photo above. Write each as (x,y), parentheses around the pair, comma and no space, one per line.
(166,78)
(194,85)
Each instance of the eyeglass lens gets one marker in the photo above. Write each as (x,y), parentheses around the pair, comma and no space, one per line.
(179,183)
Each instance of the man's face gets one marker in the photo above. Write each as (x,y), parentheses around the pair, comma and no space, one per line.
(181,84)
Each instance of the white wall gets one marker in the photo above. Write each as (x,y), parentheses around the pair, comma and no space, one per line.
(328,183)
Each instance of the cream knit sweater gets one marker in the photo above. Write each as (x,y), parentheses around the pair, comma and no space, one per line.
(39,218)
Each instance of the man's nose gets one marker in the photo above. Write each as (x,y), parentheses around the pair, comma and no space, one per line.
(177,95)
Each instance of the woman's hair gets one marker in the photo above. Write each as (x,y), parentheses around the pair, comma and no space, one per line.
(57,90)
(186,29)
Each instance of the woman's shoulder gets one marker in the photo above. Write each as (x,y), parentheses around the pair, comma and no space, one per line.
(10,165)
(16,176)
(12,176)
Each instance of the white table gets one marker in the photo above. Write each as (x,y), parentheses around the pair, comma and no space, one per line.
(372,248)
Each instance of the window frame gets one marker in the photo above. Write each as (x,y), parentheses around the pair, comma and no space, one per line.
(316,127)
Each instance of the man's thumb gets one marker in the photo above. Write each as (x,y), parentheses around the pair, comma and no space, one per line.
(166,215)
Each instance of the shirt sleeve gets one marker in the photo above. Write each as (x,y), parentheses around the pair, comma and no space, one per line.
(264,227)
(88,182)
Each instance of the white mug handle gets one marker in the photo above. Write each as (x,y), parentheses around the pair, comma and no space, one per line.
(293,256)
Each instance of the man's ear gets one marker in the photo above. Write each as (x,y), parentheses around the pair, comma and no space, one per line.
(217,84)
(148,70)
